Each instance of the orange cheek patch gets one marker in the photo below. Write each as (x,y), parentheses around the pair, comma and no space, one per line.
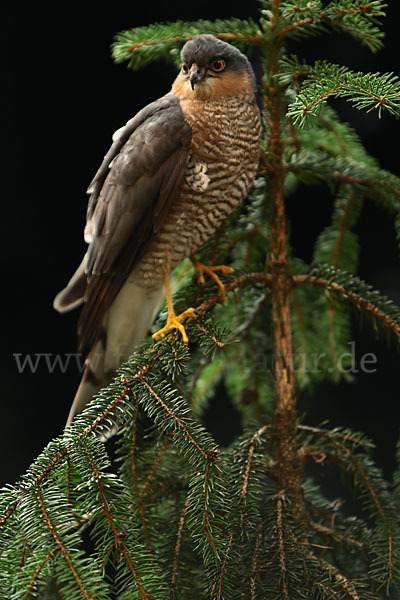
(181,87)
(226,84)
(231,84)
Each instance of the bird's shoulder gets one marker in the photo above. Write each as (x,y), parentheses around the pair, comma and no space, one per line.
(154,130)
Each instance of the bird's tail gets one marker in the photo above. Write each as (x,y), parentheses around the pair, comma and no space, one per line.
(126,323)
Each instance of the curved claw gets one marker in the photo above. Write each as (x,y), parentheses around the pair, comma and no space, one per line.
(201,269)
(175,322)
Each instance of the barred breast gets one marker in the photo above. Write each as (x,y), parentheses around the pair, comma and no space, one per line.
(221,168)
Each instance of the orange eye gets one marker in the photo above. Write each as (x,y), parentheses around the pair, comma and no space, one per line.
(218,65)
(185,68)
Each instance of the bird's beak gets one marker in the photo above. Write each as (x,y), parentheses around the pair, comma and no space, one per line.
(195,74)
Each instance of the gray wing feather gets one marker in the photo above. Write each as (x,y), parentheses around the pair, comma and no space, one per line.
(131,179)
(130,196)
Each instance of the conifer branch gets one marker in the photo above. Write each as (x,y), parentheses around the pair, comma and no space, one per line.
(281,543)
(343,226)
(373,495)
(116,533)
(142,45)
(176,419)
(254,563)
(345,436)
(250,454)
(154,466)
(98,421)
(212,337)
(9,511)
(323,80)
(138,495)
(242,281)
(223,564)
(182,517)
(39,568)
(60,544)
(335,535)
(366,299)
(205,506)
(335,574)
(358,19)
(356,466)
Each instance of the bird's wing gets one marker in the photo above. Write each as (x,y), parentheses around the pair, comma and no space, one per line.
(130,196)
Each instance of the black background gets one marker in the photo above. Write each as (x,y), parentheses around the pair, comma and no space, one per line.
(62,98)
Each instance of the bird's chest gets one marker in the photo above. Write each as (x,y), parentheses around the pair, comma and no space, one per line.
(222,163)
(223,155)
(217,132)
(221,167)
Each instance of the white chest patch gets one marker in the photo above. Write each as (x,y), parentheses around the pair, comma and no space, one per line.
(196,175)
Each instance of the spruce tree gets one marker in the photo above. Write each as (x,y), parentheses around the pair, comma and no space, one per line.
(176,517)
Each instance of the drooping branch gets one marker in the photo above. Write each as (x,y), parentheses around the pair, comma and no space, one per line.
(117,535)
(358,300)
(182,517)
(39,568)
(61,545)
(254,562)
(176,419)
(139,499)
(281,544)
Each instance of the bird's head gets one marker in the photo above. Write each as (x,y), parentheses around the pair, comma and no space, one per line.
(212,68)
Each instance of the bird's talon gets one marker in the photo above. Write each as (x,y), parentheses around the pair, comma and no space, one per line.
(189,312)
(222,268)
(174,322)
(201,269)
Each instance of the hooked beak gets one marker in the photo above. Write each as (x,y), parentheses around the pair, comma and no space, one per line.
(195,75)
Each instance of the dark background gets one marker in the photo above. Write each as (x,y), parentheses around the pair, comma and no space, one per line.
(62,98)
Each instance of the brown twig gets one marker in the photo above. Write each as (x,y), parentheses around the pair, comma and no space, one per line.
(281,543)
(335,535)
(358,468)
(256,39)
(241,281)
(243,491)
(178,547)
(254,564)
(323,16)
(373,495)
(175,418)
(135,484)
(38,570)
(352,296)
(205,504)
(117,535)
(223,565)
(60,544)
(218,343)
(337,576)
(154,466)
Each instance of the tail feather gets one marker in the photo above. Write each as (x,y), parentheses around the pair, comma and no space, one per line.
(126,324)
(72,295)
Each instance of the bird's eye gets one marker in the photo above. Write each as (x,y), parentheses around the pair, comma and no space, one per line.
(185,68)
(218,65)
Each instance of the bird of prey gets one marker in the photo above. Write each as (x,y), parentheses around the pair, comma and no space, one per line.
(173,174)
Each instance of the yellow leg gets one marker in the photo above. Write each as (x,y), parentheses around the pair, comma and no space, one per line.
(173,320)
(201,269)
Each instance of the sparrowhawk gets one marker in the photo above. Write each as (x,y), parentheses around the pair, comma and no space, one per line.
(173,174)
